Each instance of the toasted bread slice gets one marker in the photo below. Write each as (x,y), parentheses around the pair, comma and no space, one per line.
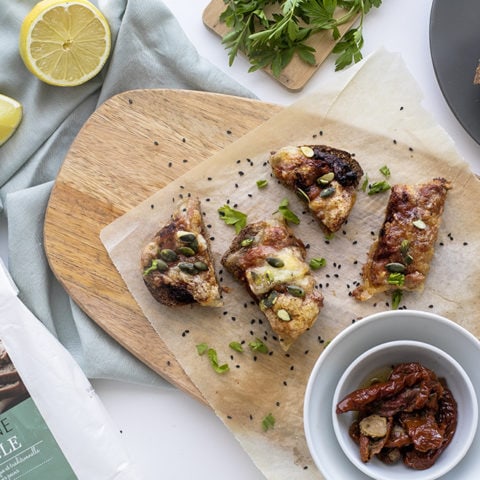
(177,265)
(400,257)
(326,177)
(270,261)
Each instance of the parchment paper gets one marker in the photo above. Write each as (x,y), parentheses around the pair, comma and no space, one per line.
(374,111)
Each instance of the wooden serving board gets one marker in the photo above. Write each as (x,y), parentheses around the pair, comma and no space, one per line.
(133,145)
(297,73)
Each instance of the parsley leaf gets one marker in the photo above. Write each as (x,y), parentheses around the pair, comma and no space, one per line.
(258,346)
(237,346)
(378,187)
(287,214)
(317,263)
(271,32)
(233,217)
(268,422)
(212,356)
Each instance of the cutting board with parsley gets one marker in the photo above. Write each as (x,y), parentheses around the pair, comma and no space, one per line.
(290,39)
(133,145)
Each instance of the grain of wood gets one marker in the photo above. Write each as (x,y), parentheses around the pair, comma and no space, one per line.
(133,145)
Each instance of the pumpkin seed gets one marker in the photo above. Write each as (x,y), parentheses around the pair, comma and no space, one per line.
(157,264)
(283,315)
(246,242)
(270,299)
(326,179)
(275,262)
(200,266)
(395,267)
(168,255)
(187,268)
(187,251)
(307,151)
(420,224)
(296,291)
(186,237)
(303,195)
(327,192)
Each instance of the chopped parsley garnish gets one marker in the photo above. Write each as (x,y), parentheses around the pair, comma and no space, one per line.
(268,422)
(233,217)
(237,346)
(262,183)
(396,298)
(396,278)
(287,214)
(378,187)
(203,348)
(258,346)
(212,356)
(385,171)
(317,263)
(365,184)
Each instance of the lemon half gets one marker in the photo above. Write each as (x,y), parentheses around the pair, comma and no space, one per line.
(10,117)
(65,43)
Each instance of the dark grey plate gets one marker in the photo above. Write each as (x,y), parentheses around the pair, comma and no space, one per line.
(455,50)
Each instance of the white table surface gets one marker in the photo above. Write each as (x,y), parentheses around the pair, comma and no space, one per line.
(168,434)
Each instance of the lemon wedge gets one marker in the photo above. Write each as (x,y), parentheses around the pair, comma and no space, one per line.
(65,43)
(10,117)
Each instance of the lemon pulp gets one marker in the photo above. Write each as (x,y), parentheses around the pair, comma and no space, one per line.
(10,117)
(65,43)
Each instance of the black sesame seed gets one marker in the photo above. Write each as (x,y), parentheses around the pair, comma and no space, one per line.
(130,101)
(155,143)
(170,164)
(241,173)
(229,132)
(184,139)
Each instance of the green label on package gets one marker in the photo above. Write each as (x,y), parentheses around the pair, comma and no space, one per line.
(28,450)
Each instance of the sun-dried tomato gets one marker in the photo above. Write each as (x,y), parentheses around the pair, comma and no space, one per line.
(421,414)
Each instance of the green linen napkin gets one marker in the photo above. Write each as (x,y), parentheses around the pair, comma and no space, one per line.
(150,50)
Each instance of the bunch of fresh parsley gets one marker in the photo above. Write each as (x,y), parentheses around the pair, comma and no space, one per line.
(271,32)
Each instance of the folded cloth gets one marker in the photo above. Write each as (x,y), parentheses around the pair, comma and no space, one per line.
(150,50)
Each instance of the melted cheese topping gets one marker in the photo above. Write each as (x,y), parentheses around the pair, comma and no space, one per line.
(264,278)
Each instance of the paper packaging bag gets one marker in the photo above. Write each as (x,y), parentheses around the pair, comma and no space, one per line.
(52,423)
